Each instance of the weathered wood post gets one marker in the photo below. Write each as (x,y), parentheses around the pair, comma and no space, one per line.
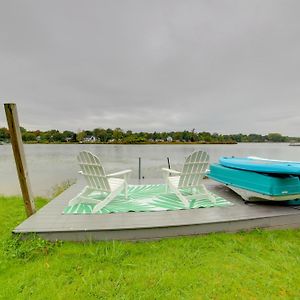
(17,145)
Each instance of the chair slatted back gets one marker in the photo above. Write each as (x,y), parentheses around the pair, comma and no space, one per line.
(93,171)
(194,169)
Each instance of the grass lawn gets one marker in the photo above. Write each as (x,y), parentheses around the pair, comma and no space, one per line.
(254,265)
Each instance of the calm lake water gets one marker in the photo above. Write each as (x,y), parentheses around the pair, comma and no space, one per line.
(50,165)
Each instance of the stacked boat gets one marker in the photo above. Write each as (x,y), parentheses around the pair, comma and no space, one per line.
(259,179)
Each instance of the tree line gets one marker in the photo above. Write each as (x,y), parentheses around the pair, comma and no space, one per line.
(117,135)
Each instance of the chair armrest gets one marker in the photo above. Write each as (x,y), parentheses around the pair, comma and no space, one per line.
(119,173)
(170,171)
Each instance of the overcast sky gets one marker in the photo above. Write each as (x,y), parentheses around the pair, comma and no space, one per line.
(218,66)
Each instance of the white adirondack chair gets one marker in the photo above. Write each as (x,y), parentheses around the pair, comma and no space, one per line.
(190,178)
(97,180)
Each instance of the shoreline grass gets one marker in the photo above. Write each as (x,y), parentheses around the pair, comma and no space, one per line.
(248,265)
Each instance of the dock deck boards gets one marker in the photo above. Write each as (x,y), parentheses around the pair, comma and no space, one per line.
(51,224)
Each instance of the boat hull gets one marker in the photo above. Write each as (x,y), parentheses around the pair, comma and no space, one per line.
(257,197)
(254,186)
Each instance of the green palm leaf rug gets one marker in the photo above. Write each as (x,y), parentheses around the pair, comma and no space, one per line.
(143,198)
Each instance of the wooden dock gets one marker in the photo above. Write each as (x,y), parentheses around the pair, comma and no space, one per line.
(51,224)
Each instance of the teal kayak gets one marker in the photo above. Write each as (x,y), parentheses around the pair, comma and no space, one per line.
(261,165)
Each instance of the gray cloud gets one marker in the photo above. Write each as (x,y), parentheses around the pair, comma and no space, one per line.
(221,66)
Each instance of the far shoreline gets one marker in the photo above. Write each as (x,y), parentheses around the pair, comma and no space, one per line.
(120,143)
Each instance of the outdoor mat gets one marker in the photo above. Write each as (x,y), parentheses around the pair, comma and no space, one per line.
(144,198)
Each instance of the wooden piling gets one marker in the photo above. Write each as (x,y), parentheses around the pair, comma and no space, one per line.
(18,150)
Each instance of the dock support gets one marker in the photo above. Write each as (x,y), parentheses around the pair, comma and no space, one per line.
(168,160)
(140,168)
(17,145)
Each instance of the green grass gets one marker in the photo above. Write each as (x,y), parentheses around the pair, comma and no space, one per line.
(254,265)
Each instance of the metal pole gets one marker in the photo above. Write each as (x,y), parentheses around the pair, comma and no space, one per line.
(17,145)
(140,168)
(168,159)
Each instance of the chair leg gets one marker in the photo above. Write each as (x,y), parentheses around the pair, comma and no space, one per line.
(167,188)
(126,190)
(165,175)
(82,196)
(108,199)
(126,186)
(202,191)
(183,199)
(208,194)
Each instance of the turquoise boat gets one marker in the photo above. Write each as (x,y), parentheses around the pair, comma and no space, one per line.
(256,186)
(261,165)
